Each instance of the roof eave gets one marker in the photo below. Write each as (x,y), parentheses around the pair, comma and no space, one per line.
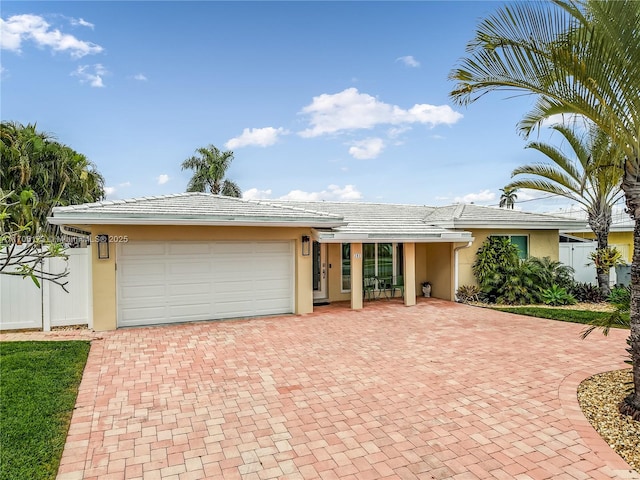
(518,226)
(462,237)
(177,221)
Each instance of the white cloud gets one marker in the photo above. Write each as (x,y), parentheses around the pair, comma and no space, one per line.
(162,179)
(255,194)
(19,28)
(367,148)
(81,22)
(352,110)
(395,132)
(261,137)
(333,192)
(569,119)
(109,190)
(483,196)
(91,74)
(124,184)
(409,61)
(140,77)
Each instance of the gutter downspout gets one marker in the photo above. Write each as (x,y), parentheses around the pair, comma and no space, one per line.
(455,268)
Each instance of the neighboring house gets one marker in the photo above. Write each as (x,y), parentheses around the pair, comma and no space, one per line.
(620,234)
(195,256)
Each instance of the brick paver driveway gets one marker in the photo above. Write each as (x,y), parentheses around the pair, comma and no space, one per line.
(436,391)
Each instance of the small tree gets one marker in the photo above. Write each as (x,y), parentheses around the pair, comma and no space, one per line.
(22,252)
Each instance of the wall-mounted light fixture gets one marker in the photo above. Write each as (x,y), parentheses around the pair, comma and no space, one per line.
(306,245)
(103,246)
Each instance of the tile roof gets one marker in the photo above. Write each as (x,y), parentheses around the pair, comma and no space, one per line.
(469,215)
(190,208)
(380,221)
(335,221)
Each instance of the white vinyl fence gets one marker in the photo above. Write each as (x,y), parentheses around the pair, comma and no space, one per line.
(25,306)
(576,255)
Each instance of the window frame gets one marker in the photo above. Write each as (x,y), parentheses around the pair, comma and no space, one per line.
(397,267)
(526,236)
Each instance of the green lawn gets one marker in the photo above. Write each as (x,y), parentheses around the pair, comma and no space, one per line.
(575,316)
(38,388)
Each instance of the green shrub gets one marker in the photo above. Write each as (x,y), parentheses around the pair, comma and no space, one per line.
(620,296)
(556,296)
(468,293)
(507,280)
(586,292)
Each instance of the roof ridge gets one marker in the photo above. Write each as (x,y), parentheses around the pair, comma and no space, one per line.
(297,209)
(344,202)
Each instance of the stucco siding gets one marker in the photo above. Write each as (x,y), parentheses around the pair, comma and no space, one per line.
(439,270)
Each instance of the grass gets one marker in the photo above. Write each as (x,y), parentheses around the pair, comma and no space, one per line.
(38,389)
(563,315)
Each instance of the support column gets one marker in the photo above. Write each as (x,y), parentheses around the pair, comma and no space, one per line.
(409,274)
(356,276)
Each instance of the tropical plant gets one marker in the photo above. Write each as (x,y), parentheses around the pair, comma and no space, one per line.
(605,259)
(577,57)
(502,276)
(556,296)
(551,272)
(508,197)
(52,173)
(591,177)
(586,292)
(620,296)
(209,167)
(468,293)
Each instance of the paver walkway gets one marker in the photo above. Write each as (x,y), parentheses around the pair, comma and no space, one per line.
(435,391)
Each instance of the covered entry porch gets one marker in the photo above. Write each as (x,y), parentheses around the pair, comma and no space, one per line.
(342,270)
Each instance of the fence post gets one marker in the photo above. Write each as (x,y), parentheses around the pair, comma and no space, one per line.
(46,298)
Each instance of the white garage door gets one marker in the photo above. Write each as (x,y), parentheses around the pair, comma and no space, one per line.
(168,282)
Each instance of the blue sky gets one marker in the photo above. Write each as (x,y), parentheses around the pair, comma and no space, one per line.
(318,100)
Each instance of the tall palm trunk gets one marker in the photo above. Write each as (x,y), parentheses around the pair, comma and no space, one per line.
(600,224)
(631,186)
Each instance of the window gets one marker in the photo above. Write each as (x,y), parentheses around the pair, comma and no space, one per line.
(378,259)
(346,266)
(520,241)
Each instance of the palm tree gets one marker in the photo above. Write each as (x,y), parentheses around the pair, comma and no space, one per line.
(508,197)
(592,180)
(52,173)
(209,168)
(576,57)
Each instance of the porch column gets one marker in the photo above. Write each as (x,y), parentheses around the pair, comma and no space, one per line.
(356,276)
(409,274)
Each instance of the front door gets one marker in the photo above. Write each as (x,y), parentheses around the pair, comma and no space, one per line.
(319,271)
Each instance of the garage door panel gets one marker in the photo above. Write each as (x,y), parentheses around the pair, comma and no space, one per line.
(186,281)
(154,292)
(189,249)
(188,288)
(191,268)
(232,248)
(198,311)
(136,250)
(140,269)
(134,315)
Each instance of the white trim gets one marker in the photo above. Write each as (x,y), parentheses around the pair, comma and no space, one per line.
(87,220)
